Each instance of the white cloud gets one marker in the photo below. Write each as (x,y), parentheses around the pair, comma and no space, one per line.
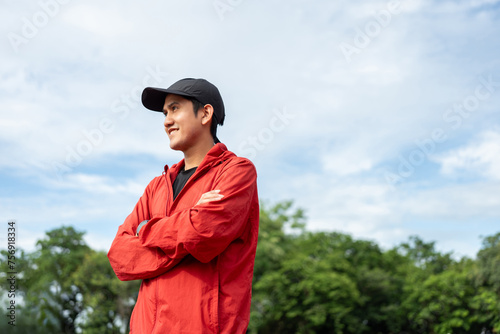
(97,185)
(481,157)
(98,20)
(98,241)
(478,3)
(453,215)
(455,203)
(349,117)
(347,161)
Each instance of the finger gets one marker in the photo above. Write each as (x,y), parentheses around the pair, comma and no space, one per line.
(212,192)
(207,195)
(212,195)
(207,199)
(212,198)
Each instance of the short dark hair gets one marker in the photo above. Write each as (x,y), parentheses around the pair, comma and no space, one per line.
(197,105)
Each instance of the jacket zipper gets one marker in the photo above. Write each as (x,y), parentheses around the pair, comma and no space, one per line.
(169,188)
(167,213)
(193,178)
(156,281)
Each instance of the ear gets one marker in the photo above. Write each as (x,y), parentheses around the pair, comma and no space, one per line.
(207,114)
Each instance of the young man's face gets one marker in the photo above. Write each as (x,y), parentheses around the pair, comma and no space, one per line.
(183,128)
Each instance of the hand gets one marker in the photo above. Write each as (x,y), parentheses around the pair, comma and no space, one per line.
(210,196)
(144,222)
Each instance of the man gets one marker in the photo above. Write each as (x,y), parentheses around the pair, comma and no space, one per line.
(192,236)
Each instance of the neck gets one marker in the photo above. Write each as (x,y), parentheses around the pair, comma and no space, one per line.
(195,155)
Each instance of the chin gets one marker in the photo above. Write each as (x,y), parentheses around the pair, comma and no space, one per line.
(176,146)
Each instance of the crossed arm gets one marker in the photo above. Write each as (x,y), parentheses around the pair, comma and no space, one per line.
(212,195)
(131,260)
(202,231)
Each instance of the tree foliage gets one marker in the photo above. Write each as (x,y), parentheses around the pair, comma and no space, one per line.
(304,282)
(66,287)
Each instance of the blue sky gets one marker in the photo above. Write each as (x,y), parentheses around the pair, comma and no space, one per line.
(379,118)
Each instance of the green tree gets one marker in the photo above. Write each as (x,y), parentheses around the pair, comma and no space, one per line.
(47,279)
(272,248)
(487,300)
(425,256)
(273,240)
(442,295)
(25,322)
(488,260)
(66,287)
(441,303)
(108,301)
(321,282)
(304,282)
(312,291)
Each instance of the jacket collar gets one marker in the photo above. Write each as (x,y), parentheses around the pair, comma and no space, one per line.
(217,154)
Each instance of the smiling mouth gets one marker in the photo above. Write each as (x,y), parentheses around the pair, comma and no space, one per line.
(170,131)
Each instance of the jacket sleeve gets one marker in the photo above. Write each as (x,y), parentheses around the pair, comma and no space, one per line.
(131,260)
(205,230)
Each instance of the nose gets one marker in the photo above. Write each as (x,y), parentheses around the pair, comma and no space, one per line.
(168,121)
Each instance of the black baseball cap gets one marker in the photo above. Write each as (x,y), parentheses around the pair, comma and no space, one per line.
(200,89)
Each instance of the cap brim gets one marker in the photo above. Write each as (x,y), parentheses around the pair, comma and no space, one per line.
(154,98)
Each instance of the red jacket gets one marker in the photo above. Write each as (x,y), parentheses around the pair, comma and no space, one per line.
(196,262)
